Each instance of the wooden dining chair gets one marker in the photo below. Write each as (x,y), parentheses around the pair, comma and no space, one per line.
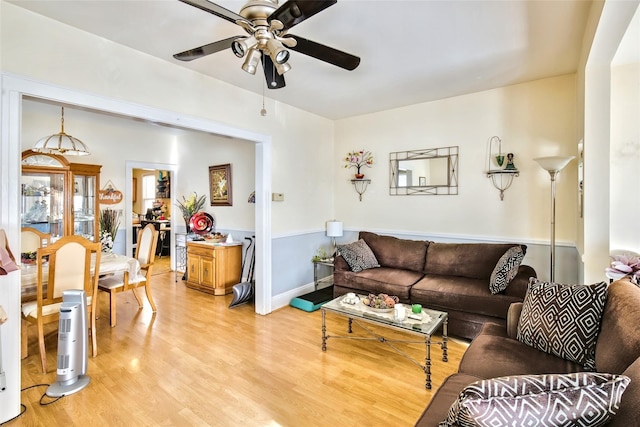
(120,282)
(32,239)
(65,264)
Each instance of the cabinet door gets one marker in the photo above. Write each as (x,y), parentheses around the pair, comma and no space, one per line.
(207,271)
(43,202)
(193,268)
(84,206)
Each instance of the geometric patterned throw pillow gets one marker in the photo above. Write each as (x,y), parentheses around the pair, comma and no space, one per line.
(563,320)
(578,399)
(358,255)
(506,269)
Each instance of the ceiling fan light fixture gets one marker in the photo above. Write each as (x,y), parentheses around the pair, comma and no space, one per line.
(277,52)
(251,63)
(282,68)
(242,45)
(61,143)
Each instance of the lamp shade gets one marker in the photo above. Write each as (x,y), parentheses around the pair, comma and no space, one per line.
(334,228)
(61,143)
(554,163)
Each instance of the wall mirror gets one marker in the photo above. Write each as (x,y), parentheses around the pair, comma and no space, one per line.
(432,171)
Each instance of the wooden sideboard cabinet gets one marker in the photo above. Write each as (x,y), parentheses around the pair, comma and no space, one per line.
(213,268)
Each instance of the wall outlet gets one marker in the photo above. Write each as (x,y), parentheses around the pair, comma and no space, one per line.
(277,197)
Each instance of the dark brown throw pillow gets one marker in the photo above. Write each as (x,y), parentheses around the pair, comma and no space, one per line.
(579,399)
(563,320)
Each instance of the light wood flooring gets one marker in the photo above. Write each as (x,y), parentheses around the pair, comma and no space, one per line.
(197,362)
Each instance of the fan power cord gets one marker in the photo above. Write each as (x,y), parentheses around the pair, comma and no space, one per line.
(23,408)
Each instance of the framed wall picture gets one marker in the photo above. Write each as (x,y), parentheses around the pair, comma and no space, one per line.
(220,185)
(422,181)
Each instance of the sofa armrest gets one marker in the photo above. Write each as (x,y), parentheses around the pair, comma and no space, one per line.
(340,264)
(518,286)
(513,318)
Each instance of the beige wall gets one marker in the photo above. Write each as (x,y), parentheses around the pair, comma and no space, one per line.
(532,119)
(301,142)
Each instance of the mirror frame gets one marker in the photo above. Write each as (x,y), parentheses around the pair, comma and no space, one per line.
(450,188)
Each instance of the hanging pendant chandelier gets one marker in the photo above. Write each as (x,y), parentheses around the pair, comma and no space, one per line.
(61,143)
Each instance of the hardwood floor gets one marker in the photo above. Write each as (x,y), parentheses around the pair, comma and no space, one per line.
(197,362)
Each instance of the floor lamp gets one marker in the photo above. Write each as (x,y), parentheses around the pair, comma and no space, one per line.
(553,165)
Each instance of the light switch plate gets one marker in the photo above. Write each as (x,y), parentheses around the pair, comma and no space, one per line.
(277,197)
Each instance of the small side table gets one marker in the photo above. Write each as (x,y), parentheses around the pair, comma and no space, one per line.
(319,266)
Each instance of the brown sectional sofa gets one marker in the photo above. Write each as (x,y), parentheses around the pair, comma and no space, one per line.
(497,353)
(451,277)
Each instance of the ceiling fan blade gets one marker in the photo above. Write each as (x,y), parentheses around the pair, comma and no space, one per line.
(274,80)
(325,53)
(208,49)
(294,12)
(215,9)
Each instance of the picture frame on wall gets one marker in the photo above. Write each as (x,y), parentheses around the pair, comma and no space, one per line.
(220,185)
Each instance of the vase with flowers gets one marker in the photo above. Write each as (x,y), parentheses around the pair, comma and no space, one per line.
(109,223)
(625,265)
(189,206)
(357,160)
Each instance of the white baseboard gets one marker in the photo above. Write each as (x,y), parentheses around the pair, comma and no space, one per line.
(283,299)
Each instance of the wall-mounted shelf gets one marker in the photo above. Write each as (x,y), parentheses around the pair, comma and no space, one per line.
(360,185)
(502,179)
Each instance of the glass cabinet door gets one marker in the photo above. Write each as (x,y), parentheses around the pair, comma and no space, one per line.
(43,202)
(84,203)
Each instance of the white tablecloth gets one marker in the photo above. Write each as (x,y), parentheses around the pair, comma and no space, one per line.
(109,263)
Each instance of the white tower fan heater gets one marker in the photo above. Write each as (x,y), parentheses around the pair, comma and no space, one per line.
(72,345)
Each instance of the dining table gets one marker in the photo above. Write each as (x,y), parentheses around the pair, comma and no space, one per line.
(110,263)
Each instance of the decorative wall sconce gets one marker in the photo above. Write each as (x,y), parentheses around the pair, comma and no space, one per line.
(360,185)
(501,173)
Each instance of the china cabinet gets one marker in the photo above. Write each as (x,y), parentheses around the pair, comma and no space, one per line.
(59,197)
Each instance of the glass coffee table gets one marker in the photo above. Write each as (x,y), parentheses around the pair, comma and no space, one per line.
(428,323)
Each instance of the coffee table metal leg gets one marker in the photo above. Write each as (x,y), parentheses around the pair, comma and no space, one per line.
(427,362)
(350,325)
(444,341)
(324,331)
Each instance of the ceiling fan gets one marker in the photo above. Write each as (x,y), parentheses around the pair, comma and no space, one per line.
(268,39)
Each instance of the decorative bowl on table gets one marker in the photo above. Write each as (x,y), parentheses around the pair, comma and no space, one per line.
(215,237)
(381,303)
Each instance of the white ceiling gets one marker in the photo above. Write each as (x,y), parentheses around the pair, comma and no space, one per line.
(412,51)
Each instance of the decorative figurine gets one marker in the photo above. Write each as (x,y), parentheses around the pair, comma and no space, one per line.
(510,165)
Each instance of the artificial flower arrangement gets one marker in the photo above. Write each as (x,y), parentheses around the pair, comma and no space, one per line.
(358,159)
(380,301)
(191,205)
(109,224)
(625,265)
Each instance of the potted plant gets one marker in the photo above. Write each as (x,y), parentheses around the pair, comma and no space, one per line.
(190,206)
(109,223)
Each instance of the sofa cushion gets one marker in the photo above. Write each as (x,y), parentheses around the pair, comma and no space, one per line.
(390,281)
(563,320)
(358,255)
(461,294)
(493,354)
(399,253)
(630,405)
(619,340)
(578,399)
(506,269)
(439,405)
(472,260)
